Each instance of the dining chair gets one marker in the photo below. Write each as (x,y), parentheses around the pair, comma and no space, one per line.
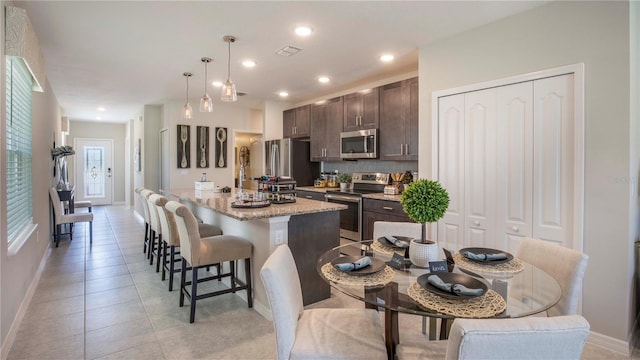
(171,239)
(200,253)
(316,333)
(565,265)
(527,338)
(60,218)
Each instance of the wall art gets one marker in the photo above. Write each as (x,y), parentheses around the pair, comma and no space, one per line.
(221,147)
(202,147)
(184,146)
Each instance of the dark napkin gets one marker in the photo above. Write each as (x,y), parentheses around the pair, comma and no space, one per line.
(484,257)
(356,265)
(456,289)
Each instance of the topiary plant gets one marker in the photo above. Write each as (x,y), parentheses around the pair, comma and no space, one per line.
(425,201)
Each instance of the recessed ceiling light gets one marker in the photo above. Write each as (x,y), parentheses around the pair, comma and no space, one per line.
(283,94)
(303,31)
(386,58)
(98,118)
(101,108)
(249,63)
(217,83)
(323,79)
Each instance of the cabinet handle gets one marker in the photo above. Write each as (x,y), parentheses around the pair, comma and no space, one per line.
(515,229)
(309,197)
(406,151)
(477,223)
(401,149)
(387,208)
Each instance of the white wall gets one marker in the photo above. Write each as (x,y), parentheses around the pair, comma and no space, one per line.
(115,131)
(561,33)
(224,115)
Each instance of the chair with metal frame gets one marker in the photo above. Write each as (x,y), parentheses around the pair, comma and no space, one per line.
(60,218)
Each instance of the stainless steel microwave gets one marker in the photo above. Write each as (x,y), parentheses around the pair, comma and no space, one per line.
(361,144)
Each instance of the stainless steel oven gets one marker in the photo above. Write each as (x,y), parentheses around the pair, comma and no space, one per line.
(351,217)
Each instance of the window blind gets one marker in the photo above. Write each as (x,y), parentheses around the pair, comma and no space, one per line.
(18,117)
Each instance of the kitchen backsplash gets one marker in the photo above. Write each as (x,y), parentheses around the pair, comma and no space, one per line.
(370,166)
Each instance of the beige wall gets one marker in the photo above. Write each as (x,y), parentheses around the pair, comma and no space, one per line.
(103,131)
(561,33)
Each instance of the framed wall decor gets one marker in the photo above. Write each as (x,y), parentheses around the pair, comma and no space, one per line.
(184,146)
(221,148)
(202,147)
(137,160)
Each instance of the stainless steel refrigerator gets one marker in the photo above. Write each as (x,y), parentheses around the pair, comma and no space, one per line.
(287,157)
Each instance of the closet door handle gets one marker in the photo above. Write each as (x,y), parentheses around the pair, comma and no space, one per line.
(476,223)
(515,229)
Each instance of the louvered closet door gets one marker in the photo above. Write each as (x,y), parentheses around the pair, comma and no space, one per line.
(451,169)
(553,159)
(514,165)
(480,167)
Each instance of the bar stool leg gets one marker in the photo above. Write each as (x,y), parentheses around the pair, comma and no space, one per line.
(194,294)
(247,273)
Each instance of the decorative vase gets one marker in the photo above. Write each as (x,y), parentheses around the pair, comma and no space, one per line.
(421,253)
(61,164)
(344,186)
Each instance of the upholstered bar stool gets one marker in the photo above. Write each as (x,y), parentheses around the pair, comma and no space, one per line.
(156,231)
(171,239)
(145,210)
(203,252)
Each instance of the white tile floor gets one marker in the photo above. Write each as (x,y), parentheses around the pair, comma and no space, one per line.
(105,302)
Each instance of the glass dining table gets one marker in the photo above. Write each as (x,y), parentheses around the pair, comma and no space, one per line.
(513,288)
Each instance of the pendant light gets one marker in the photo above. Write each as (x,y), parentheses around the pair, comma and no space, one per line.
(229,88)
(187,111)
(206,105)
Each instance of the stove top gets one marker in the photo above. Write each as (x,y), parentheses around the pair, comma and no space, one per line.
(365,183)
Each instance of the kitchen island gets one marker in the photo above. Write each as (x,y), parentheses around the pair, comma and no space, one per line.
(309,227)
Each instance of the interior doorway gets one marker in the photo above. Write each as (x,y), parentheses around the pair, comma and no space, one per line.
(248,150)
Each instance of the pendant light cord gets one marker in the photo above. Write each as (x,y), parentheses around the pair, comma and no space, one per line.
(205,77)
(187,99)
(229,62)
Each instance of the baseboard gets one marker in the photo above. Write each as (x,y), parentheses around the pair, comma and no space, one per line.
(119,203)
(609,343)
(22,310)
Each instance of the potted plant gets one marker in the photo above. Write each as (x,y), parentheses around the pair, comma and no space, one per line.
(344,179)
(424,201)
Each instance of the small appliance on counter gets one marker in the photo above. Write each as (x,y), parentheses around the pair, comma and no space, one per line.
(279,189)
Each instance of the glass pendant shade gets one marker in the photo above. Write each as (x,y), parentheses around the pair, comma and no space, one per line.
(229,88)
(229,92)
(187,111)
(206,105)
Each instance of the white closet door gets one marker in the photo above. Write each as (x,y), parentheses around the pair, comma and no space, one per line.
(514,206)
(451,169)
(553,159)
(480,167)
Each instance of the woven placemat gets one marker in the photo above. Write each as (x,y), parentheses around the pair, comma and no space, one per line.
(512,267)
(386,249)
(380,278)
(485,306)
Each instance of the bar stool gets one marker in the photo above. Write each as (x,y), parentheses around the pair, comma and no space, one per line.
(171,239)
(156,231)
(202,252)
(145,209)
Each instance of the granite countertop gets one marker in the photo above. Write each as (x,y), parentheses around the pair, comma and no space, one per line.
(221,202)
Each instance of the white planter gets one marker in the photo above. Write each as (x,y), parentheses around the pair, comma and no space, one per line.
(420,254)
(344,186)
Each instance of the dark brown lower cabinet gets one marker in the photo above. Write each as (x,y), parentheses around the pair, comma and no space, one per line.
(380,210)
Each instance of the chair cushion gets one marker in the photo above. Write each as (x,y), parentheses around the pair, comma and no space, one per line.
(207,230)
(82,204)
(222,248)
(339,334)
(75,217)
(426,350)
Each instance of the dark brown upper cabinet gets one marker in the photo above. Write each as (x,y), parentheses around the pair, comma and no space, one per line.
(296,122)
(399,120)
(326,125)
(361,110)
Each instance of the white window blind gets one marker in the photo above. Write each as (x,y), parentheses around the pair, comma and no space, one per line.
(19,194)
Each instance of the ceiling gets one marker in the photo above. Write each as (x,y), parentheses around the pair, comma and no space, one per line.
(123,55)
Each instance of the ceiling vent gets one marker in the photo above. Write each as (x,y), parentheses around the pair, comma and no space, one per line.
(288,51)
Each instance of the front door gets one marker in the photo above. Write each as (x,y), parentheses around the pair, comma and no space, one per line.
(94,170)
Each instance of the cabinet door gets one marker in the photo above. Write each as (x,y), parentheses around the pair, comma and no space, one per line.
(370,109)
(352,111)
(392,124)
(302,121)
(553,159)
(288,123)
(411,136)
(370,217)
(451,169)
(334,121)
(514,165)
(480,167)
(318,131)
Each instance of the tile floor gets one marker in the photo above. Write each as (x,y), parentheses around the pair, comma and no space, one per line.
(105,302)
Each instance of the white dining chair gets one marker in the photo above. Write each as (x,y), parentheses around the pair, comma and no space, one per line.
(528,338)
(565,265)
(316,333)
(60,218)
